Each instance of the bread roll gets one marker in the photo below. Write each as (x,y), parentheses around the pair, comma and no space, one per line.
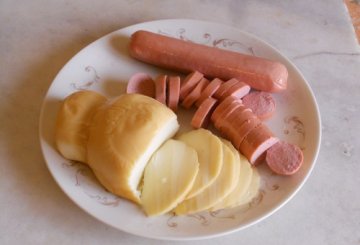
(124,133)
(72,123)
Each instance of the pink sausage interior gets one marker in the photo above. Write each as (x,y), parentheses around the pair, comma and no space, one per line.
(284,158)
(141,83)
(261,103)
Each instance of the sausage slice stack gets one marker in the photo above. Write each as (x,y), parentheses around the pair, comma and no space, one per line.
(236,112)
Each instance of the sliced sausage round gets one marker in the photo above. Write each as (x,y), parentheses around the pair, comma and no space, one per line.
(209,90)
(221,107)
(224,88)
(261,103)
(238,90)
(141,83)
(173,93)
(189,83)
(229,113)
(257,142)
(160,88)
(195,94)
(202,115)
(228,125)
(284,158)
(244,128)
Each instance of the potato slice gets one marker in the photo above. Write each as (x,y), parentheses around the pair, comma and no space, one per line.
(168,177)
(210,153)
(251,192)
(236,196)
(220,188)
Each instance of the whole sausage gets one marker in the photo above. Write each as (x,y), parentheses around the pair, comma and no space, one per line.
(185,56)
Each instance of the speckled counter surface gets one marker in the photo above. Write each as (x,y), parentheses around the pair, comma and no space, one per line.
(38,37)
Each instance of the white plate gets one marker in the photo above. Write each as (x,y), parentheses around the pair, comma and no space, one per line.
(105,66)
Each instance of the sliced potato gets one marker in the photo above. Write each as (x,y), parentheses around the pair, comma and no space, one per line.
(251,192)
(237,195)
(220,188)
(210,154)
(169,176)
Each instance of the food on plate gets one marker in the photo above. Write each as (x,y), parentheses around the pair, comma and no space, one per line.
(225,87)
(141,83)
(201,118)
(238,90)
(195,94)
(73,120)
(160,88)
(223,185)
(210,89)
(257,142)
(227,119)
(190,83)
(123,135)
(210,154)
(168,177)
(251,191)
(127,141)
(242,127)
(173,92)
(184,56)
(220,109)
(237,195)
(247,122)
(284,158)
(261,103)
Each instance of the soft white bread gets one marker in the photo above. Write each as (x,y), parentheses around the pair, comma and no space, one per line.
(124,133)
(72,123)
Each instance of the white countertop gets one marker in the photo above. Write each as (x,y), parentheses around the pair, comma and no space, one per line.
(38,37)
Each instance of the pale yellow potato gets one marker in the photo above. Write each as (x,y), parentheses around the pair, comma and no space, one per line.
(237,195)
(168,177)
(210,154)
(251,192)
(220,188)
